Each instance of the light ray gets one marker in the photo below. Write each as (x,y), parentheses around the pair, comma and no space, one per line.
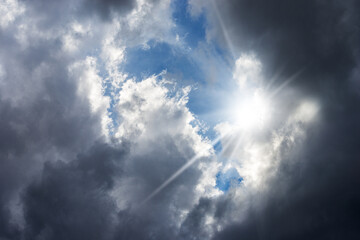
(181,170)
(272,79)
(227,143)
(284,84)
(226,35)
(238,141)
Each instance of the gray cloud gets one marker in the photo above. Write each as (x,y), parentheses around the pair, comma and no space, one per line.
(71,200)
(194,225)
(53,12)
(43,119)
(104,8)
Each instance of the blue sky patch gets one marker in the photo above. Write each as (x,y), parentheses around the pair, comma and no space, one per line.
(228,179)
(192,30)
(142,63)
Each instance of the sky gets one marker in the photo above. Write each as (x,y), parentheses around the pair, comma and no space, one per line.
(179,119)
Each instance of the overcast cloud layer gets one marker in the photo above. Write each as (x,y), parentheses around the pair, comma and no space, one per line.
(101,102)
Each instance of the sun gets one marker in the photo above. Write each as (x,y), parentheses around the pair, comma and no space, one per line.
(252,113)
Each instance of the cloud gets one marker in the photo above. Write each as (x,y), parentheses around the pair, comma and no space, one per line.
(106,8)
(44,117)
(82,145)
(288,37)
(69,169)
(71,200)
(62,171)
(311,185)
(160,128)
(247,69)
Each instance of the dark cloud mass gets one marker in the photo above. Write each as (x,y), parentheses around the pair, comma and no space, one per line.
(320,36)
(71,201)
(317,198)
(36,123)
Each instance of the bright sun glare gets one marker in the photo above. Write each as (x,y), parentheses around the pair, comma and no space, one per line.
(252,113)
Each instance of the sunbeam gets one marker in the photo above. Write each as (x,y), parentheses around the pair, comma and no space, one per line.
(180,171)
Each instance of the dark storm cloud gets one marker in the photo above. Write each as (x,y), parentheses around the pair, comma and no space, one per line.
(71,201)
(318,196)
(319,36)
(41,116)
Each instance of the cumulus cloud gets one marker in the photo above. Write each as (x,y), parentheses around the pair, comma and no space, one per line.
(67,165)
(59,161)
